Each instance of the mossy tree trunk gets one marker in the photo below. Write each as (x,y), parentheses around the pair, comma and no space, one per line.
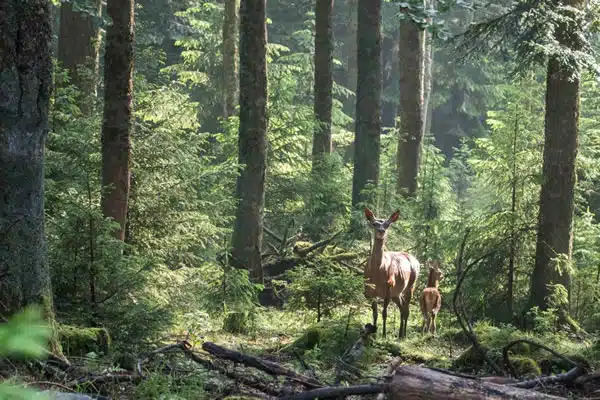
(323,85)
(555,224)
(252,142)
(117,121)
(410,142)
(230,57)
(25,87)
(367,144)
(79,46)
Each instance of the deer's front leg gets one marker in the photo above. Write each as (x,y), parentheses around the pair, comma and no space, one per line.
(386,302)
(374,308)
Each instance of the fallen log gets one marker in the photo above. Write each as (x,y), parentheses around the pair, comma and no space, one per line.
(337,391)
(269,367)
(413,382)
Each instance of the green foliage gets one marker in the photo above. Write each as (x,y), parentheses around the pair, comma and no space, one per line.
(24,335)
(323,286)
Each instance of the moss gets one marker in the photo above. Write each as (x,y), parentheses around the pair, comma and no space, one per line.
(525,366)
(470,359)
(78,341)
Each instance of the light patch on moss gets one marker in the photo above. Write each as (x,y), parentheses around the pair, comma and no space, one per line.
(77,341)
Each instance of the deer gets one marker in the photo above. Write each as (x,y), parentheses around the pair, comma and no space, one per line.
(390,275)
(431,299)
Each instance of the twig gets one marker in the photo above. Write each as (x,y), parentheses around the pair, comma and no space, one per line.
(567,377)
(49,383)
(183,345)
(333,392)
(273,234)
(459,317)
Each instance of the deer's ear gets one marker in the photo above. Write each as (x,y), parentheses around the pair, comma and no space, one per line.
(369,214)
(394,217)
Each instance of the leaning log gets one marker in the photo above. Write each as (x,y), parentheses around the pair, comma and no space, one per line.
(413,382)
(270,367)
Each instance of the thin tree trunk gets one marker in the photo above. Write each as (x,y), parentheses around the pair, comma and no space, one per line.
(428,76)
(350,49)
(513,222)
(117,122)
(248,228)
(390,77)
(411,105)
(79,46)
(230,57)
(25,87)
(368,100)
(555,225)
(322,143)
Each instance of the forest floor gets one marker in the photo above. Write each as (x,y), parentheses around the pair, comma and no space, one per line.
(313,349)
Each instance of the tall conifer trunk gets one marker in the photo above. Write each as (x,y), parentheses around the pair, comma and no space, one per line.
(323,79)
(79,46)
(367,144)
(117,121)
(410,142)
(252,143)
(25,87)
(555,224)
(230,57)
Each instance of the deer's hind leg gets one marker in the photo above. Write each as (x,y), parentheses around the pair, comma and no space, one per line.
(404,312)
(433,316)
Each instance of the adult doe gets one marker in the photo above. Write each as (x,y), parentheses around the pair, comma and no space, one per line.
(391,275)
(431,299)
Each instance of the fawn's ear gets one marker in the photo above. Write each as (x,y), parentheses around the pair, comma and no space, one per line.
(369,214)
(394,217)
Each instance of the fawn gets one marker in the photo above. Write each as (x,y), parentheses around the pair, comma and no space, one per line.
(431,299)
(390,275)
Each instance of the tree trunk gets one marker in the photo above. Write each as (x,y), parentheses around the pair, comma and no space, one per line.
(79,46)
(248,228)
(323,79)
(428,76)
(230,57)
(25,87)
(117,122)
(413,382)
(350,48)
(390,78)
(368,99)
(555,224)
(411,105)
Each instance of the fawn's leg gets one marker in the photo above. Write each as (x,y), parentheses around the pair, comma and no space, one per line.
(425,321)
(433,315)
(386,303)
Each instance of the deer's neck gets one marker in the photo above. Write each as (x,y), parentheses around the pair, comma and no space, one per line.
(432,282)
(377,253)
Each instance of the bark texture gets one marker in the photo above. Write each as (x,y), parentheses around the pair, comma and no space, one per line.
(413,382)
(350,51)
(230,57)
(79,45)
(322,143)
(555,224)
(252,143)
(25,86)
(428,74)
(411,111)
(367,143)
(117,121)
